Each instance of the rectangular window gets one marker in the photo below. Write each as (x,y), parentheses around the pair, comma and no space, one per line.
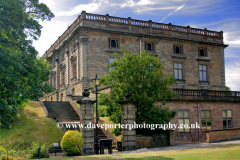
(227,119)
(63,78)
(202,72)
(184,120)
(54,82)
(74,71)
(178,70)
(206,116)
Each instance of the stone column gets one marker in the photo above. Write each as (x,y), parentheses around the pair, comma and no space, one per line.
(84,62)
(128,118)
(86,118)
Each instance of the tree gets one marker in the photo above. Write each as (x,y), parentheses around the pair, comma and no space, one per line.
(22,73)
(139,79)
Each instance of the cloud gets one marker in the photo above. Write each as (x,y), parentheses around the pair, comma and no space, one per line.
(232,72)
(173,12)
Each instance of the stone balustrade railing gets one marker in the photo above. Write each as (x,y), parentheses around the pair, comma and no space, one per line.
(133,22)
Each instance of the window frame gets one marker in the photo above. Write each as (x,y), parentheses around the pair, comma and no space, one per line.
(63,77)
(189,125)
(206,118)
(178,70)
(205,52)
(117,41)
(74,70)
(152,46)
(227,118)
(180,49)
(110,63)
(202,72)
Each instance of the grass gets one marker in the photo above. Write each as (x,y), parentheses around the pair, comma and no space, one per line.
(30,125)
(105,120)
(222,152)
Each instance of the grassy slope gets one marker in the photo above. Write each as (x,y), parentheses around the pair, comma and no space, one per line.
(30,125)
(105,120)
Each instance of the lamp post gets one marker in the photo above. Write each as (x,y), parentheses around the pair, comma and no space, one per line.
(96,82)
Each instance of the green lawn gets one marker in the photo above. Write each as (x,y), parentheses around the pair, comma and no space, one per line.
(222,152)
(209,153)
(30,125)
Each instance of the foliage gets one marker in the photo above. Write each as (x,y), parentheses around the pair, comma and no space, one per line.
(2,150)
(22,74)
(228,88)
(116,131)
(102,110)
(34,150)
(70,141)
(139,79)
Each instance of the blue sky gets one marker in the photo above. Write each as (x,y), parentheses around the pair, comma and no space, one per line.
(216,15)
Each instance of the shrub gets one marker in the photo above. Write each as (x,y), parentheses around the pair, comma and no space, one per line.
(2,150)
(34,150)
(70,141)
(116,131)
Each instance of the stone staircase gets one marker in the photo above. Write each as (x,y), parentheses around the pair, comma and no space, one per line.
(101,135)
(63,112)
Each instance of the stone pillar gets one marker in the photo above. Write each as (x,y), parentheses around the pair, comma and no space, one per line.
(171,138)
(128,118)
(83,63)
(86,119)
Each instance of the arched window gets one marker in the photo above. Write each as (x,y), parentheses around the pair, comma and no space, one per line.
(177,49)
(149,47)
(202,52)
(113,43)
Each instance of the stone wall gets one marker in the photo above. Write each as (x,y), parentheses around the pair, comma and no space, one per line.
(222,135)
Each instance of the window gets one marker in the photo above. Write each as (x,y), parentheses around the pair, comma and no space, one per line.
(54,82)
(227,119)
(149,46)
(61,97)
(177,49)
(63,77)
(178,70)
(113,43)
(184,120)
(73,91)
(74,72)
(110,61)
(202,52)
(206,116)
(202,72)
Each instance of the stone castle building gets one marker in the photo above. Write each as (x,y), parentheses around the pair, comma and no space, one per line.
(194,56)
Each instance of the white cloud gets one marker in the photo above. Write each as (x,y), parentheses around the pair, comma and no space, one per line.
(50,32)
(173,12)
(232,76)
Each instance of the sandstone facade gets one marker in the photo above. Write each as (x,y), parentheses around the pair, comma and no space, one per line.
(85,49)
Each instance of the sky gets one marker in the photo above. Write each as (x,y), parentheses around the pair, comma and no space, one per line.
(216,15)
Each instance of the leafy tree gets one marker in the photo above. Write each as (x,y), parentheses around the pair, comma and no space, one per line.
(140,79)
(228,88)
(22,74)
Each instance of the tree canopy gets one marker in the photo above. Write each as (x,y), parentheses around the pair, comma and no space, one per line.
(22,73)
(139,79)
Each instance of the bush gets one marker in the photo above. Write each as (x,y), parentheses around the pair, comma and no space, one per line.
(2,150)
(102,110)
(70,141)
(34,150)
(116,131)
